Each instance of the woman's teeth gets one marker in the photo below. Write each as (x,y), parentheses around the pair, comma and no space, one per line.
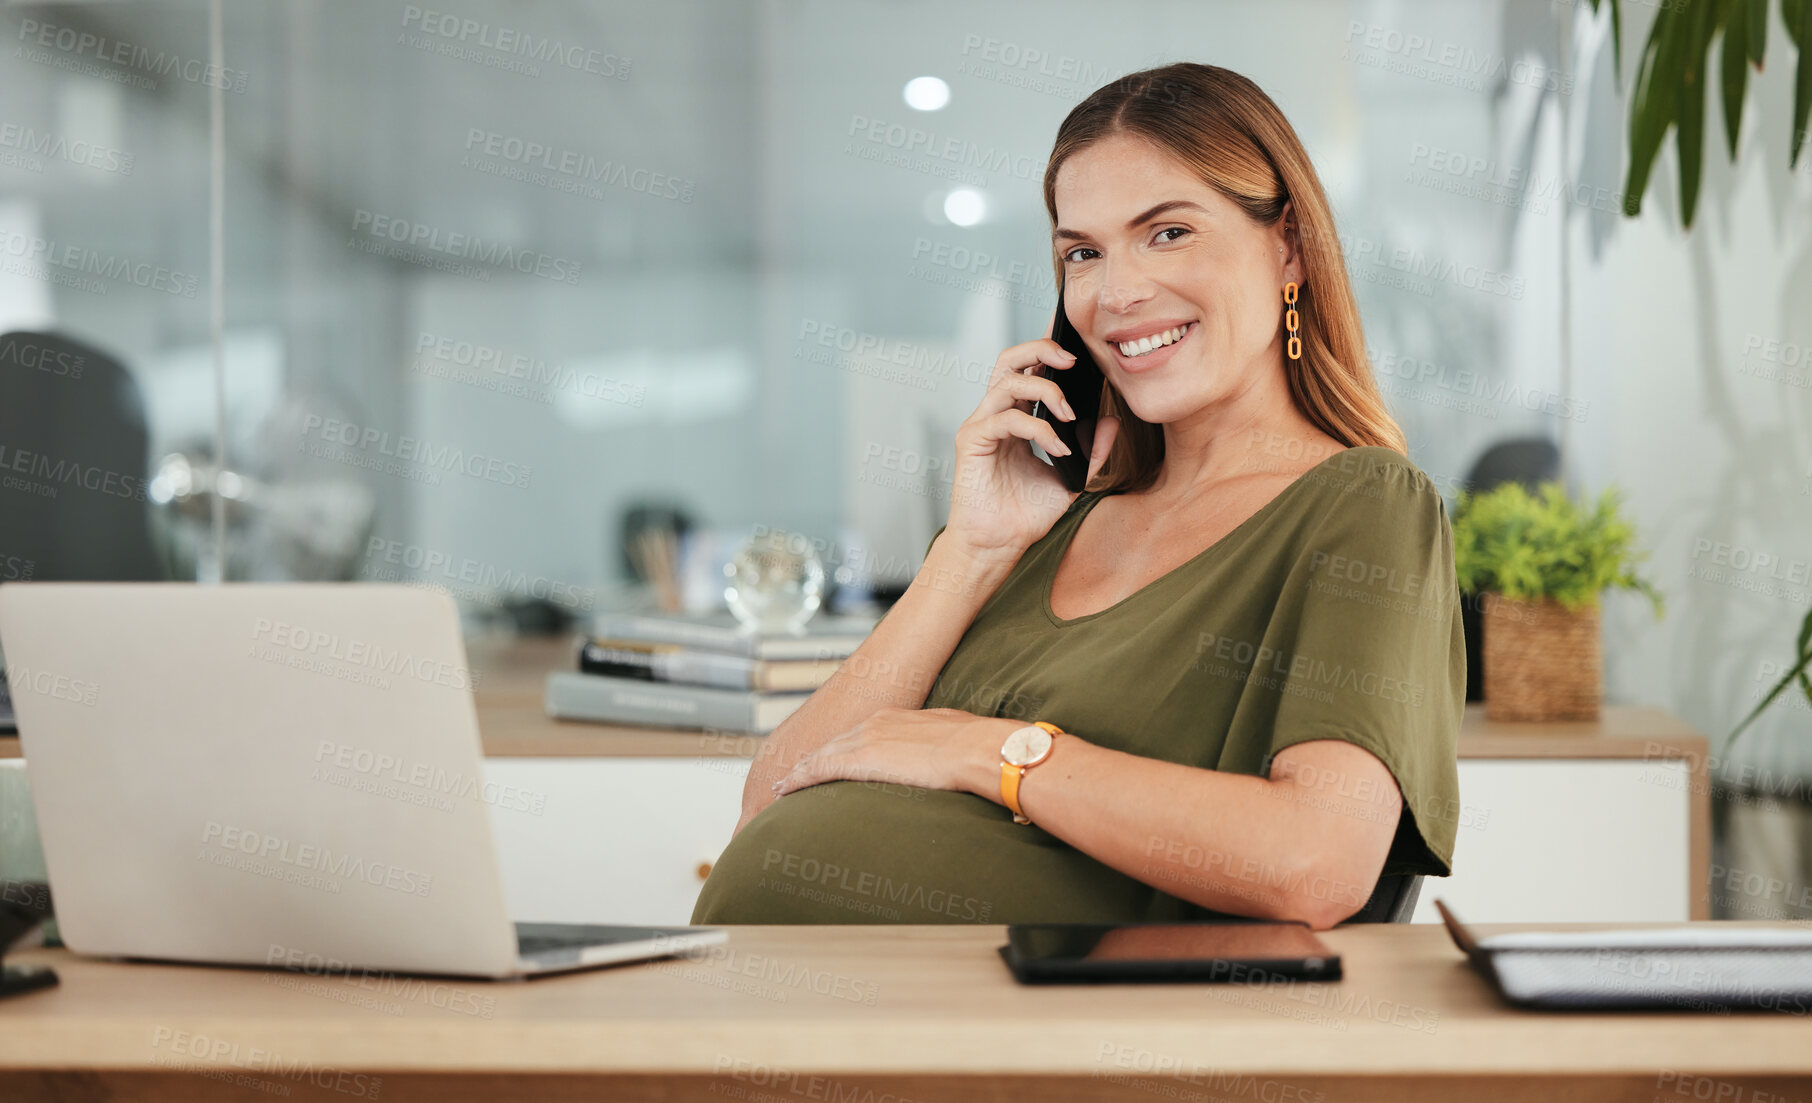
(1143,345)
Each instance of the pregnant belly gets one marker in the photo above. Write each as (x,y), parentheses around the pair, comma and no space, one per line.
(864,852)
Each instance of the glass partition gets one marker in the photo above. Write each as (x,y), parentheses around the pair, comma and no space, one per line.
(506,288)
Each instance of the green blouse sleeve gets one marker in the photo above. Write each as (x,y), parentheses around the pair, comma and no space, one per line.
(1368,641)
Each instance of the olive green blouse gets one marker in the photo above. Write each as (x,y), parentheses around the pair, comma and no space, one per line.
(1331,613)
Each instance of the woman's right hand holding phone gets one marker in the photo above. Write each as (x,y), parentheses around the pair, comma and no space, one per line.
(1004,498)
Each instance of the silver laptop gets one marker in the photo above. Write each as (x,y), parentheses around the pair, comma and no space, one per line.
(277,775)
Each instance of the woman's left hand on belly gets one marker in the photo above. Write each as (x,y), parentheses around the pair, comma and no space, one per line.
(929,748)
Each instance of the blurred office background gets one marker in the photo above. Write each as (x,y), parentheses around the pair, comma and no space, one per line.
(501,279)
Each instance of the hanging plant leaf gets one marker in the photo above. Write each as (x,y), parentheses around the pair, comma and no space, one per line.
(1689,133)
(1733,69)
(1671,74)
(1654,101)
(1798,16)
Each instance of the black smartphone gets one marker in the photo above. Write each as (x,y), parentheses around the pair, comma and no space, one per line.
(1081,383)
(1225,951)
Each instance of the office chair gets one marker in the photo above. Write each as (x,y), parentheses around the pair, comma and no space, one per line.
(75,508)
(1393,900)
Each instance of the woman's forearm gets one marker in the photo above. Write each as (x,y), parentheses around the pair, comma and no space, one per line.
(1283,847)
(893,668)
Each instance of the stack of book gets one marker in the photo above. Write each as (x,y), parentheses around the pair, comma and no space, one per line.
(699,671)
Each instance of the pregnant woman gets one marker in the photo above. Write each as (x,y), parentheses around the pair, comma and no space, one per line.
(1226,677)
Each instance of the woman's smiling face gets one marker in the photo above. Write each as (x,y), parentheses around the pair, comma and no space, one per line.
(1177,292)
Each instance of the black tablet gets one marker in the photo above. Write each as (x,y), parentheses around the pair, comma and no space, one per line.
(1229,951)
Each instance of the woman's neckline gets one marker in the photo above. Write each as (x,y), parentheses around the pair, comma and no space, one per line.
(1050,581)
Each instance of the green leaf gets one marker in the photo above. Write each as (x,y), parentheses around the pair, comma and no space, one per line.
(1733,71)
(1756,34)
(1690,133)
(1805,643)
(1798,14)
(1652,103)
(1617,39)
(1798,671)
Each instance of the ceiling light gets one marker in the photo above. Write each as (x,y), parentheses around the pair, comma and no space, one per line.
(926,93)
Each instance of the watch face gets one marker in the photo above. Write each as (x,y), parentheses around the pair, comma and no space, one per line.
(1027,746)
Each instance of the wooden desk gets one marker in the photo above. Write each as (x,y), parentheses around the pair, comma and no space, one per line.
(1551,811)
(836,1013)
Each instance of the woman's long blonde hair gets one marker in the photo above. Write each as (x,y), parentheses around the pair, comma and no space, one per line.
(1230,133)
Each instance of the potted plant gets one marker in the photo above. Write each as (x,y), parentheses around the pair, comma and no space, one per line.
(1538,563)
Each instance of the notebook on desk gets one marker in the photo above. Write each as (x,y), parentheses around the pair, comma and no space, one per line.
(1679,968)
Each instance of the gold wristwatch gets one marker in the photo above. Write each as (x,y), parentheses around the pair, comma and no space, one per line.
(1024,749)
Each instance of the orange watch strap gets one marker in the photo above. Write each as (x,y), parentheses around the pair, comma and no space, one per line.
(1009,787)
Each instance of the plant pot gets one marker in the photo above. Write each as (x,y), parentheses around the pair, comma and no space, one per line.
(1542,662)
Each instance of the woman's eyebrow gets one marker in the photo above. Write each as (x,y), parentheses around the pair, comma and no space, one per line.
(1133,223)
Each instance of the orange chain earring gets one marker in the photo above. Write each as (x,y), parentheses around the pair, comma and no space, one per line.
(1290,320)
